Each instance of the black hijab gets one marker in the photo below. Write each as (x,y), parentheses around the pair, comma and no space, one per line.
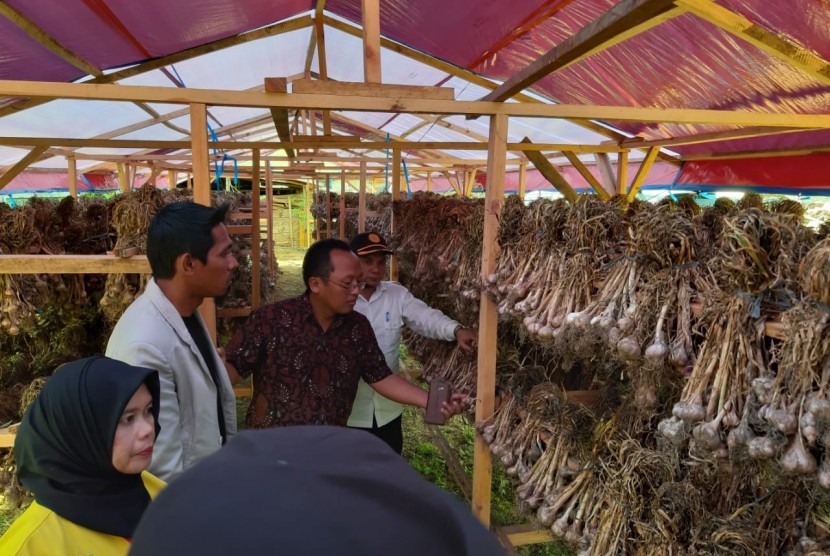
(310,490)
(63,447)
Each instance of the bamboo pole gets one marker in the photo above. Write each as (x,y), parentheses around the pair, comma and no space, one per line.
(396,195)
(256,262)
(73,176)
(201,190)
(361,203)
(488,317)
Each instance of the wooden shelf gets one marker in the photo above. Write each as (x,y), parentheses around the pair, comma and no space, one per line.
(73,264)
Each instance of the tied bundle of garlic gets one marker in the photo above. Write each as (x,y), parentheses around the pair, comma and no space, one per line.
(796,399)
(758,258)
(14,309)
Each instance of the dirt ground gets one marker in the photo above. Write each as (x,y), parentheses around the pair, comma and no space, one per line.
(290,281)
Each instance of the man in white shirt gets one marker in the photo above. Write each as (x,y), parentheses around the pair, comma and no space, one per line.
(389,306)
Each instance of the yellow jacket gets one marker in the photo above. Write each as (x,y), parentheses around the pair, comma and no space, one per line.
(42,532)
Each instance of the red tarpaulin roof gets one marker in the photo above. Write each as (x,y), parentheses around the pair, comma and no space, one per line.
(684,62)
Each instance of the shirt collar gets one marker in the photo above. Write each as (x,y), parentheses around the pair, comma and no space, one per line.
(309,314)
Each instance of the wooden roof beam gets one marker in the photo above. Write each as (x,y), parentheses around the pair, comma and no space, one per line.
(623,21)
(38,34)
(474,78)
(190,53)
(773,44)
(216,97)
(744,133)
(21,165)
(550,173)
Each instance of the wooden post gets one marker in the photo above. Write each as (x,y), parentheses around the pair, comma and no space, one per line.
(319,27)
(317,235)
(328,206)
(269,225)
(308,214)
(429,182)
(622,172)
(371,41)
(396,195)
(361,200)
(488,316)
(122,177)
(342,219)
(290,223)
(172,178)
(522,180)
(256,263)
(73,176)
(201,190)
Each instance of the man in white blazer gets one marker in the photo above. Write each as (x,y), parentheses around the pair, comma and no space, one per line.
(189,251)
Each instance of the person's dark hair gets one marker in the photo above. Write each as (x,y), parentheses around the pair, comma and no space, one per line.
(179,228)
(317,260)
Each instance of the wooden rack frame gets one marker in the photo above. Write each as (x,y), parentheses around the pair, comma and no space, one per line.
(497,147)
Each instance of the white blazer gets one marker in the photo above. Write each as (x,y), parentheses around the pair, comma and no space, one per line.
(152,334)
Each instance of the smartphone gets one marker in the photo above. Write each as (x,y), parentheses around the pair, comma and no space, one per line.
(439,392)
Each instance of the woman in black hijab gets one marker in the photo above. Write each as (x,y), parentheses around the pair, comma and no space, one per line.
(82,449)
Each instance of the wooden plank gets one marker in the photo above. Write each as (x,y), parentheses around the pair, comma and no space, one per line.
(290,223)
(526,534)
(218,97)
(550,173)
(370,13)
(774,44)
(243,391)
(317,220)
(31,28)
(396,196)
(21,165)
(341,219)
(7,436)
(122,178)
(372,90)
(522,180)
(351,139)
(361,200)
(640,178)
(429,182)
(201,190)
(172,178)
(72,169)
(622,172)
(269,31)
(256,277)
(280,115)
(587,175)
(624,20)
(73,264)
(488,317)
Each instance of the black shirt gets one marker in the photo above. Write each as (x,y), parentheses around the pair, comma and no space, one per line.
(206,349)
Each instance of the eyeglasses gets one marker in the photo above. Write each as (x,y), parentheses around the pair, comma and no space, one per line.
(348,287)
